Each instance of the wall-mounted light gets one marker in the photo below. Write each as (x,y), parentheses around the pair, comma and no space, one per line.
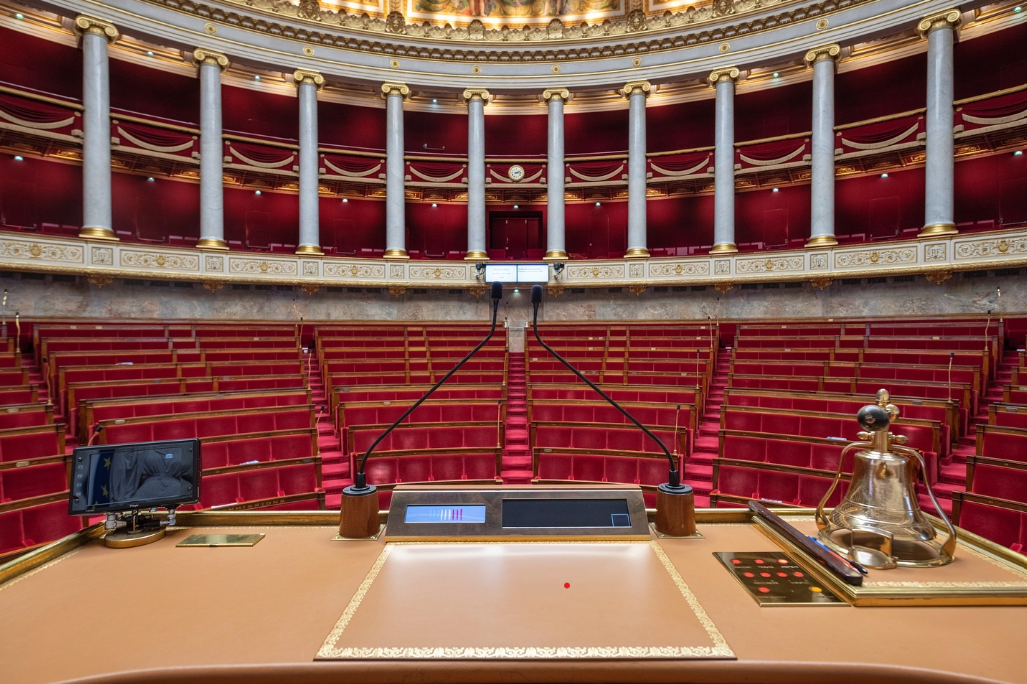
(884,175)
(516,291)
(598,204)
(150,179)
(1018,8)
(19,15)
(345,200)
(776,74)
(256,192)
(149,53)
(1018,153)
(776,190)
(256,78)
(18,157)
(434,101)
(517,206)
(433,205)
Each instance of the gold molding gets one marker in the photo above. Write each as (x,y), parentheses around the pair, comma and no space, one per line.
(938,277)
(212,285)
(638,288)
(476,256)
(822,241)
(832,52)
(401,89)
(397,290)
(723,288)
(212,243)
(937,229)
(86,24)
(94,233)
(724,248)
(396,254)
(310,288)
(728,74)
(309,249)
(637,253)
(556,255)
(100,279)
(632,87)
(820,283)
(212,57)
(562,94)
(314,78)
(951,18)
(477,94)
(555,290)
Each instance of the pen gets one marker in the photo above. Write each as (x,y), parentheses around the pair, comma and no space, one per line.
(834,553)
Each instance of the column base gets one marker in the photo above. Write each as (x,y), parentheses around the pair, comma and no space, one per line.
(476,256)
(637,253)
(937,229)
(555,255)
(396,254)
(212,243)
(822,241)
(309,249)
(724,248)
(93,233)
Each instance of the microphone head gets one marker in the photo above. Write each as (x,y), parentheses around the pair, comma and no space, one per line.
(536,294)
(497,290)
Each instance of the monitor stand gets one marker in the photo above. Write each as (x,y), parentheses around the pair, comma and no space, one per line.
(138,530)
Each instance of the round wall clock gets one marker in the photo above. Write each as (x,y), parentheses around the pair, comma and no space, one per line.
(516,173)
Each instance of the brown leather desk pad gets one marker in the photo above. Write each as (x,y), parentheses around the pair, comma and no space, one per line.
(165,614)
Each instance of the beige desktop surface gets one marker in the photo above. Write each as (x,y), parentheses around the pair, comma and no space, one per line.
(160,613)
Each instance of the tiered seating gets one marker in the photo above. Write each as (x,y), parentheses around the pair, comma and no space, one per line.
(995,501)
(33,488)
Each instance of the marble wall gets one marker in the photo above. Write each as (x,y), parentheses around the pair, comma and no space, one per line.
(35,296)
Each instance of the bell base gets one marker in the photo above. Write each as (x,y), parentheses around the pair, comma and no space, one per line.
(675,511)
(358,514)
(881,551)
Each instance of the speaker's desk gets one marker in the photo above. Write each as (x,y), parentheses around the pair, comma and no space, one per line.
(159,613)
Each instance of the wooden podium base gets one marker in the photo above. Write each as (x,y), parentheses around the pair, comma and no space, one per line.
(675,511)
(358,515)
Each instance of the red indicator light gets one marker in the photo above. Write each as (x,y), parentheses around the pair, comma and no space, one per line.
(759,561)
(749,574)
(764,590)
(736,561)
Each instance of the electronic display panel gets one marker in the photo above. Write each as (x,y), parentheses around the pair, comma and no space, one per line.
(123,477)
(501,273)
(445,514)
(563,513)
(533,273)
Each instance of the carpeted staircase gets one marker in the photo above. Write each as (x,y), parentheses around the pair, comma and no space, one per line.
(699,467)
(516,454)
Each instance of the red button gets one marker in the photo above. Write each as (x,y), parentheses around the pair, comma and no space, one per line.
(748,574)
(782,574)
(798,574)
(764,574)
(736,561)
(782,561)
(759,561)
(764,590)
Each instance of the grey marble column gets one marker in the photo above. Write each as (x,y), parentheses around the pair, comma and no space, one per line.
(636,92)
(822,60)
(556,246)
(724,80)
(476,98)
(307,84)
(395,190)
(96,34)
(939,214)
(212,192)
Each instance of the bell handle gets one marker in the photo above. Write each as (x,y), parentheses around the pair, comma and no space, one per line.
(821,520)
(949,547)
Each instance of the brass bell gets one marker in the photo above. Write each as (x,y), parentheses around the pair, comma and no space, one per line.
(879,523)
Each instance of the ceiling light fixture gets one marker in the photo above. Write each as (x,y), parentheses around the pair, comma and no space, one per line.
(256,78)
(149,53)
(776,74)
(19,15)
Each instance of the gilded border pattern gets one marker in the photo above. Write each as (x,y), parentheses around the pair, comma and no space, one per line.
(330,651)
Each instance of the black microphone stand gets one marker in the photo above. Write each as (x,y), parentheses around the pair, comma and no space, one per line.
(359,511)
(681,523)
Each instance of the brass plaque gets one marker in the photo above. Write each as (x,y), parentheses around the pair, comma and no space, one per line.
(774,579)
(221,540)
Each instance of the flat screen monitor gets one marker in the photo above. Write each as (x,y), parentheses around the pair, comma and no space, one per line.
(124,477)
(517,273)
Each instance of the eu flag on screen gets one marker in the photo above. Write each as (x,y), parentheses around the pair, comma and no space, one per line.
(100,490)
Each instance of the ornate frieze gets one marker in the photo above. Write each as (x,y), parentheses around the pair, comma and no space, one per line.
(46,254)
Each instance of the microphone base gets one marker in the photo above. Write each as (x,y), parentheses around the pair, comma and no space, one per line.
(358,515)
(675,511)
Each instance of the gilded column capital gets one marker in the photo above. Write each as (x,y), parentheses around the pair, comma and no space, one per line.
(561,94)
(205,56)
(632,87)
(86,24)
(477,94)
(401,89)
(949,18)
(728,74)
(823,53)
(314,78)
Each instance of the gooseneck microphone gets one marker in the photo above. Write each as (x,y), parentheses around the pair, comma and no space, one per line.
(360,485)
(674,483)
